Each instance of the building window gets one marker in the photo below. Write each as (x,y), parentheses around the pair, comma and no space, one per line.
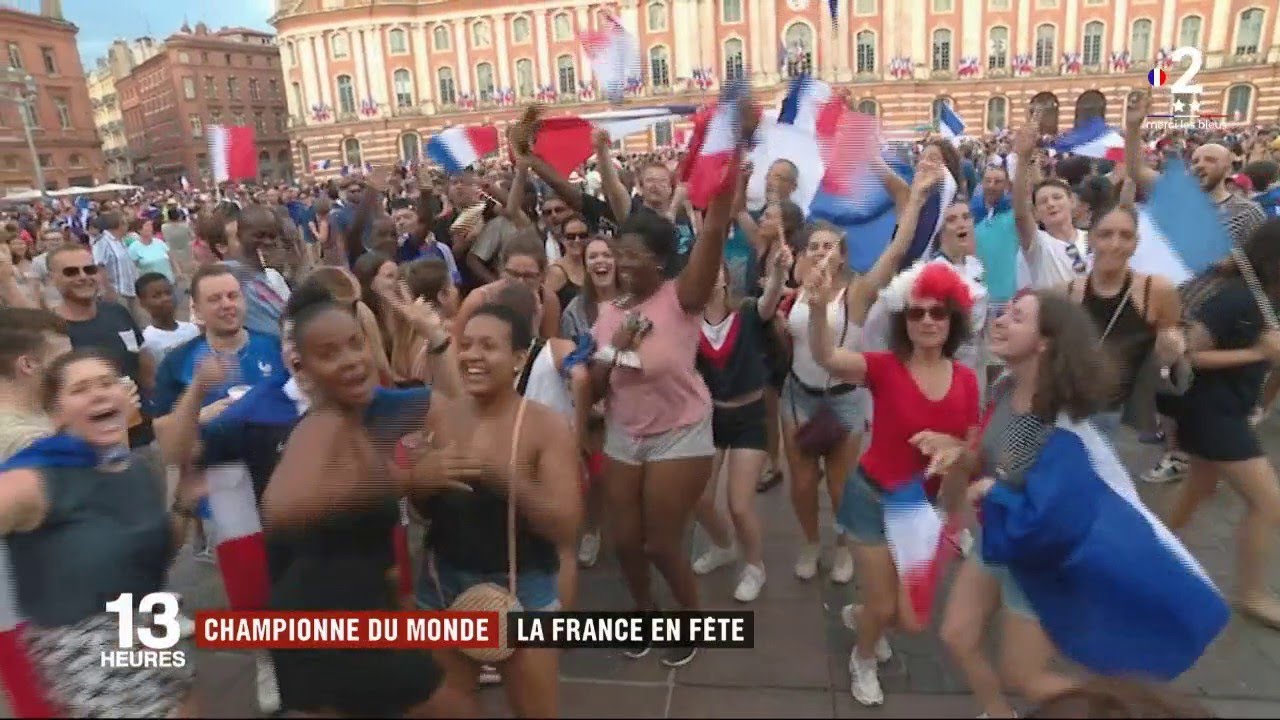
(398,41)
(189,88)
(227,58)
(410,147)
(997,48)
(448,93)
(440,38)
(204,58)
(215,117)
(659,72)
(657,14)
(75,160)
(520,30)
(1140,40)
(255,92)
(524,78)
(869,107)
(403,84)
(1249,33)
(15,56)
(64,113)
(731,11)
(273,87)
(798,41)
(942,49)
(1093,32)
(351,152)
(942,6)
(865,52)
(259,123)
(1046,41)
(997,112)
(734,60)
(338,45)
(662,134)
(1189,31)
(346,95)
(238,119)
(233,88)
(298,103)
(50,63)
(210,87)
(561,28)
(567,74)
(279,122)
(864,7)
(46,160)
(1239,103)
(480,35)
(484,82)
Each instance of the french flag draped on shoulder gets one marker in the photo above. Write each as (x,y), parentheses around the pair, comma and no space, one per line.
(457,148)
(710,167)
(1179,233)
(1093,139)
(1114,589)
(615,57)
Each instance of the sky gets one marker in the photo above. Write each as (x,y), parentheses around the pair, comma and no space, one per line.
(101,21)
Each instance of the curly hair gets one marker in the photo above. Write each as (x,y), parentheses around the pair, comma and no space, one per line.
(1074,377)
(957,333)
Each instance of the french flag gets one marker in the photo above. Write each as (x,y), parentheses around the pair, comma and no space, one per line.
(917,538)
(1092,139)
(1179,233)
(950,126)
(241,548)
(711,164)
(233,153)
(615,57)
(1113,588)
(457,148)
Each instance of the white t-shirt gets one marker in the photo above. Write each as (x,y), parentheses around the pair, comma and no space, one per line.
(159,342)
(1053,263)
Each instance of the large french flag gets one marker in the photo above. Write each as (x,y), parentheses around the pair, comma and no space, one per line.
(1092,139)
(457,148)
(615,56)
(917,542)
(710,166)
(1179,233)
(233,153)
(241,548)
(1113,588)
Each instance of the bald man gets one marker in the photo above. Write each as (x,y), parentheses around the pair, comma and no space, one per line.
(1211,164)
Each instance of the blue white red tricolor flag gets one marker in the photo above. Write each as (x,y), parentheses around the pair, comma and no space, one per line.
(457,148)
(917,538)
(1179,233)
(615,57)
(950,126)
(1157,77)
(848,140)
(233,153)
(1092,139)
(710,167)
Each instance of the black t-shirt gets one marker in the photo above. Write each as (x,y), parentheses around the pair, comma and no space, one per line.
(684,236)
(113,332)
(1231,316)
(737,367)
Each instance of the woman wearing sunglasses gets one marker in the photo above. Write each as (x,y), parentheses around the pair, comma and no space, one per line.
(566,275)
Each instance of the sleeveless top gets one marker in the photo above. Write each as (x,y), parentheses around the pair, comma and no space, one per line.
(544,384)
(568,291)
(803,366)
(1130,339)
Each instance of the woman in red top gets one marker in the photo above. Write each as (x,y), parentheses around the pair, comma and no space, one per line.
(917,389)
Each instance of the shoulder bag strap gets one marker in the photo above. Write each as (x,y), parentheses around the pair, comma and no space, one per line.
(1124,300)
(511,497)
(844,329)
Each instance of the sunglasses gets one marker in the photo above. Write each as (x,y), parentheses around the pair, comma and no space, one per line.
(88,270)
(935,312)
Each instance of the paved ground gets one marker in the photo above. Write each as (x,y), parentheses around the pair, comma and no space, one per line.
(798,668)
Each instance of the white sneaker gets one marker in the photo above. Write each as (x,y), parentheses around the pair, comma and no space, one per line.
(714,559)
(589,549)
(841,565)
(864,680)
(1171,468)
(849,616)
(807,561)
(750,583)
(268,690)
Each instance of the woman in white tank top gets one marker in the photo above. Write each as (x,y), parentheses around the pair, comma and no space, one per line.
(811,392)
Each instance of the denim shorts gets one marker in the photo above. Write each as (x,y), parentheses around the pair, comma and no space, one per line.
(861,513)
(1012,598)
(536,590)
(798,405)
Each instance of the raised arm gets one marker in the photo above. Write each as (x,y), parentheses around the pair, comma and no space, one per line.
(779,261)
(845,364)
(614,191)
(698,279)
(1135,166)
(1024,144)
(514,209)
(927,175)
(898,188)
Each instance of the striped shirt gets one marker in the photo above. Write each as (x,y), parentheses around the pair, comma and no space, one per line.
(111,254)
(1241,217)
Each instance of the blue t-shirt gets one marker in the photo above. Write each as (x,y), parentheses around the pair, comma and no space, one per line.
(997,247)
(740,258)
(1270,202)
(259,360)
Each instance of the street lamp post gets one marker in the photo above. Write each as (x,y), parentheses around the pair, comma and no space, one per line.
(23,97)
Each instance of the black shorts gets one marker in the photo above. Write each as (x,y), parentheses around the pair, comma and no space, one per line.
(739,428)
(1216,436)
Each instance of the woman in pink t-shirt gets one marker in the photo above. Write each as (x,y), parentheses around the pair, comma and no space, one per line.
(658,441)
(919,392)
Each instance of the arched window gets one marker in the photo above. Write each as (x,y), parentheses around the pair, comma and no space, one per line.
(567,75)
(1140,40)
(403,83)
(657,15)
(1249,32)
(1239,103)
(936,108)
(997,114)
(865,55)
(1047,103)
(1093,32)
(398,41)
(520,30)
(1091,104)
(410,147)
(942,49)
(440,38)
(1046,44)
(734,59)
(480,35)
(484,81)
(351,152)
(524,78)
(338,44)
(346,95)
(1189,30)
(798,41)
(448,92)
(74,160)
(998,48)
(869,107)
(561,28)
(659,72)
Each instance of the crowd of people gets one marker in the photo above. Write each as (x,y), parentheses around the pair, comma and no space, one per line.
(556,365)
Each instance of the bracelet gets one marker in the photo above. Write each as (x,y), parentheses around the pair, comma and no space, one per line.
(439,349)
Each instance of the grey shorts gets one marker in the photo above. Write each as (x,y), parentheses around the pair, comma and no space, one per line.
(799,404)
(682,443)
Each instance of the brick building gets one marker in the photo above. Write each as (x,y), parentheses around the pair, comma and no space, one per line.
(367,83)
(201,78)
(43,46)
(122,56)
